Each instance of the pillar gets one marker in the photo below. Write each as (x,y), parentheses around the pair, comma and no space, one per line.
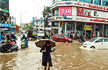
(107,31)
(75,27)
(65,27)
(85,29)
(92,1)
(101,2)
(94,29)
(100,30)
(103,31)
(59,28)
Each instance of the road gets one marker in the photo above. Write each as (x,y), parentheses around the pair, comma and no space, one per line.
(68,56)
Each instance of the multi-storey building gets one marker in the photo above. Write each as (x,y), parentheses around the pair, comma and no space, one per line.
(4,15)
(86,17)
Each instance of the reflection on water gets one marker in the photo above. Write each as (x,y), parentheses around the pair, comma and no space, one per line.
(7,61)
(68,56)
(71,57)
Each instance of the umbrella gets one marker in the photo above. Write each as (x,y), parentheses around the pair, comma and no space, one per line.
(42,42)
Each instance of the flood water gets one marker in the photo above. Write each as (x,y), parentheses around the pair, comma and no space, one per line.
(68,56)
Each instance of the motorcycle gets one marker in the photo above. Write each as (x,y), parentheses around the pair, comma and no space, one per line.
(5,46)
(23,44)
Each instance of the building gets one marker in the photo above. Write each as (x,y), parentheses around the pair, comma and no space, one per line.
(4,15)
(86,17)
(39,24)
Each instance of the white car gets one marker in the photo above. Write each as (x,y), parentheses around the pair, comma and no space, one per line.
(40,34)
(97,43)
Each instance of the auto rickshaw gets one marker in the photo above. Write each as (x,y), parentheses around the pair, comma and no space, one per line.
(32,34)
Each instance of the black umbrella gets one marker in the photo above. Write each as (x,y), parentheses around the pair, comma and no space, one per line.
(42,42)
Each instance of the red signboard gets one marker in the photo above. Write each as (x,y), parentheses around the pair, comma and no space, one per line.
(97,7)
(99,20)
(67,11)
(80,11)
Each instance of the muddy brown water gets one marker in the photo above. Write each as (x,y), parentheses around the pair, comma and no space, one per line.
(68,56)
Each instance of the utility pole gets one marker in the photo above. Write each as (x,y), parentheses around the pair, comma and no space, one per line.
(44,21)
(21,20)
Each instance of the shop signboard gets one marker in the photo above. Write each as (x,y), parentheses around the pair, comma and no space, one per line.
(99,20)
(67,11)
(81,19)
(68,18)
(88,27)
(91,13)
(81,4)
(54,5)
(40,20)
(4,25)
(33,21)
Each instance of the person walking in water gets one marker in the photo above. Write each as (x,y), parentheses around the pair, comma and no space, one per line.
(46,58)
(1,36)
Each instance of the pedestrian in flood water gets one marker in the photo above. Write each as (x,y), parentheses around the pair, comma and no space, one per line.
(46,58)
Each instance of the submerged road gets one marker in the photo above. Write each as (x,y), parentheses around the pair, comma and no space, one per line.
(68,56)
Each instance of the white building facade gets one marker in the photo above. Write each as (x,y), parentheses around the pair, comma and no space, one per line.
(88,17)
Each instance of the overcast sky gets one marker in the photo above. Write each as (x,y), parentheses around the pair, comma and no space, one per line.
(28,8)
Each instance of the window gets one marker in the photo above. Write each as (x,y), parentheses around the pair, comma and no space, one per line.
(87,1)
(92,40)
(54,24)
(62,36)
(69,0)
(55,1)
(3,16)
(97,2)
(100,40)
(105,40)
(55,12)
(4,4)
(105,3)
(57,35)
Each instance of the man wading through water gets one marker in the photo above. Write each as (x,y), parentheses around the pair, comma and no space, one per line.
(46,58)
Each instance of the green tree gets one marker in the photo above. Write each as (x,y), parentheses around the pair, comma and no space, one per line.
(28,26)
(47,11)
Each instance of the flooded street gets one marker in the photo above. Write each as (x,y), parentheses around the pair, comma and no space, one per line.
(68,56)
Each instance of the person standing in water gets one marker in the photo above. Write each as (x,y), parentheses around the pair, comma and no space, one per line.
(46,58)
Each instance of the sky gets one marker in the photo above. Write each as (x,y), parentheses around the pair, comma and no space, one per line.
(28,8)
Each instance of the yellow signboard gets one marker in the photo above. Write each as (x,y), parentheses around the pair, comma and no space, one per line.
(88,27)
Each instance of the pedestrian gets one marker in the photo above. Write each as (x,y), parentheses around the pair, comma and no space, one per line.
(8,37)
(71,36)
(13,37)
(46,58)
(68,34)
(77,35)
(1,36)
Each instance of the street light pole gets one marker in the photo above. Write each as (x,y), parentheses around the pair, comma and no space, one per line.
(62,25)
(44,21)
(21,20)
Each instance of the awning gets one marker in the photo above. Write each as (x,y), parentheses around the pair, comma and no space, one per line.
(3,29)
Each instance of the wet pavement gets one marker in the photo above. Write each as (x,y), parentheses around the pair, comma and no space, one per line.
(68,56)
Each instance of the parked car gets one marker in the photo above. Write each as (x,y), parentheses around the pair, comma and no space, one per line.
(61,38)
(97,43)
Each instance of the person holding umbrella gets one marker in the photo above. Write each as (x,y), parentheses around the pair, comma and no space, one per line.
(46,58)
